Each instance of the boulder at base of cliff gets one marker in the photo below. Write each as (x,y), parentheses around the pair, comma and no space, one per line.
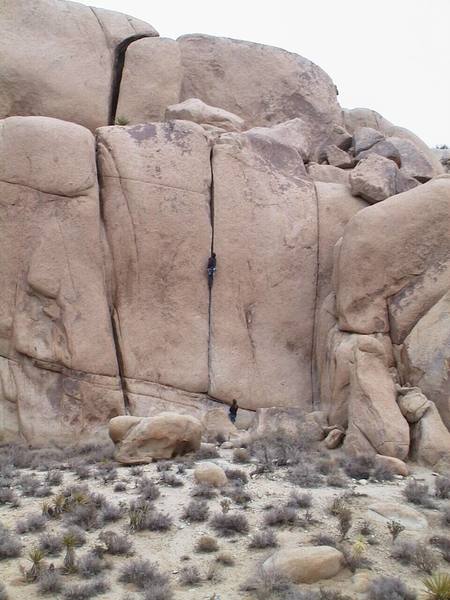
(430,438)
(143,439)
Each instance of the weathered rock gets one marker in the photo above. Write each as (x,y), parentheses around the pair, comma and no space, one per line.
(295,133)
(328,174)
(375,421)
(197,111)
(393,511)
(394,465)
(383,148)
(430,438)
(410,234)
(155,192)
(59,369)
(364,138)
(261,319)
(339,158)
(414,162)
(334,438)
(217,424)
(65,67)
(153,65)
(307,564)
(413,404)
(210,474)
(143,439)
(374,178)
(340,137)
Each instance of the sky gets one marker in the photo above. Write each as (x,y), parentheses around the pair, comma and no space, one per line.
(389,55)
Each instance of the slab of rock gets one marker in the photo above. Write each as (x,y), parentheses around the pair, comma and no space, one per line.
(217,424)
(261,319)
(374,178)
(65,68)
(199,112)
(393,511)
(364,138)
(140,440)
(339,158)
(413,404)
(210,474)
(430,438)
(328,174)
(394,465)
(307,564)
(383,148)
(155,180)
(295,133)
(415,163)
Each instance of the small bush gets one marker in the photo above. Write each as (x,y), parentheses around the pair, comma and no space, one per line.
(443,543)
(236,474)
(120,486)
(206,544)
(241,455)
(417,493)
(237,493)
(137,471)
(305,475)
(344,517)
(164,465)
(190,575)
(442,487)
(204,490)
(77,534)
(383,473)
(148,489)
(281,515)
(91,565)
(116,544)
(323,539)
(437,586)
(138,512)
(7,496)
(389,588)
(171,480)
(10,546)
(82,471)
(409,552)
(395,528)
(230,523)
(300,500)
(84,591)
(263,539)
(32,486)
(50,582)
(337,480)
(206,451)
(111,512)
(366,529)
(196,511)
(225,559)
(31,522)
(143,574)
(157,521)
(50,544)
(359,467)
(54,477)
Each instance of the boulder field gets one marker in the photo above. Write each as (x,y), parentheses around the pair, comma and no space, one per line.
(126,159)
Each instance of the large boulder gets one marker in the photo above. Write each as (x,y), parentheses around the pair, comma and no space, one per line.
(364,138)
(155,182)
(295,133)
(199,112)
(328,174)
(143,439)
(307,564)
(59,368)
(430,438)
(413,404)
(414,163)
(57,59)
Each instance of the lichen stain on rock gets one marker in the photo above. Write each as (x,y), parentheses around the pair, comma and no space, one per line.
(142,132)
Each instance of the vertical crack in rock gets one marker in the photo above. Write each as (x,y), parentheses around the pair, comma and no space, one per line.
(119,63)
(210,287)
(314,382)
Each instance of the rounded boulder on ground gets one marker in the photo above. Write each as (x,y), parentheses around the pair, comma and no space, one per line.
(211,474)
(308,564)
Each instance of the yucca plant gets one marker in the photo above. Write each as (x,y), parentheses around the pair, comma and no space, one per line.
(138,514)
(69,542)
(35,556)
(437,586)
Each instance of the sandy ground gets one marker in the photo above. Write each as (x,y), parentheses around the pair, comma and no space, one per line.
(269,489)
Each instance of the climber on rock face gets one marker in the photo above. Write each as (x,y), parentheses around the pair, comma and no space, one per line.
(212,266)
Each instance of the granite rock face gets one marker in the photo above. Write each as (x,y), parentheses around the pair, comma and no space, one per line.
(320,304)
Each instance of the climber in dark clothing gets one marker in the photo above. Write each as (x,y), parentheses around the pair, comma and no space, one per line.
(232,413)
(212,266)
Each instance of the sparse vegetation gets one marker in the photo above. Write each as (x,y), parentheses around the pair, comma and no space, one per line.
(442,487)
(116,544)
(10,546)
(300,500)
(417,493)
(206,451)
(84,591)
(143,574)
(281,515)
(389,588)
(437,586)
(265,538)
(359,467)
(230,523)
(50,582)
(196,511)
(241,455)
(395,529)
(31,522)
(236,474)
(416,553)
(206,544)
(190,575)
(50,544)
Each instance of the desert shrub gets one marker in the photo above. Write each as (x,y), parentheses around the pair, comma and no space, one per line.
(50,582)
(355,556)
(265,538)
(410,552)
(84,515)
(300,500)
(143,574)
(137,471)
(54,477)
(10,546)
(7,496)
(84,591)
(148,489)
(115,543)
(337,480)
(366,529)
(77,534)
(107,471)
(237,493)
(417,493)
(50,544)
(389,588)
(157,521)
(323,539)
(206,543)
(111,512)
(138,512)
(344,517)
(241,455)
(230,523)
(446,516)
(280,515)
(3,592)
(224,558)
(120,486)
(443,543)
(82,471)
(190,575)
(383,473)
(164,465)
(265,585)
(442,487)
(236,474)
(196,510)
(90,565)
(171,480)
(305,475)
(359,467)
(206,451)
(395,528)
(204,490)
(437,586)
(31,522)
(32,486)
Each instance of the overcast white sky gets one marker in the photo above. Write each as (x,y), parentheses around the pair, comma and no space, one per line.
(389,55)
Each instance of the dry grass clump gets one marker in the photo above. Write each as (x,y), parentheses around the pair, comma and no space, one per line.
(91,565)
(337,480)
(226,559)
(10,546)
(32,486)
(30,523)
(50,544)
(300,500)
(237,493)
(196,511)
(148,489)
(206,543)
(409,552)
(84,591)
(227,524)
(190,575)
(305,475)
(359,467)
(236,474)
(206,451)
(241,455)
(171,480)
(116,544)
(120,486)
(417,493)
(389,588)
(204,490)
(265,538)
(50,582)
(280,515)
(143,574)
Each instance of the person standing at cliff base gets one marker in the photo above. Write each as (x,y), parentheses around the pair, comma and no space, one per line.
(232,413)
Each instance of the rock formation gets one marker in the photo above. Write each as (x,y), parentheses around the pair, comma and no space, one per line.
(330,226)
